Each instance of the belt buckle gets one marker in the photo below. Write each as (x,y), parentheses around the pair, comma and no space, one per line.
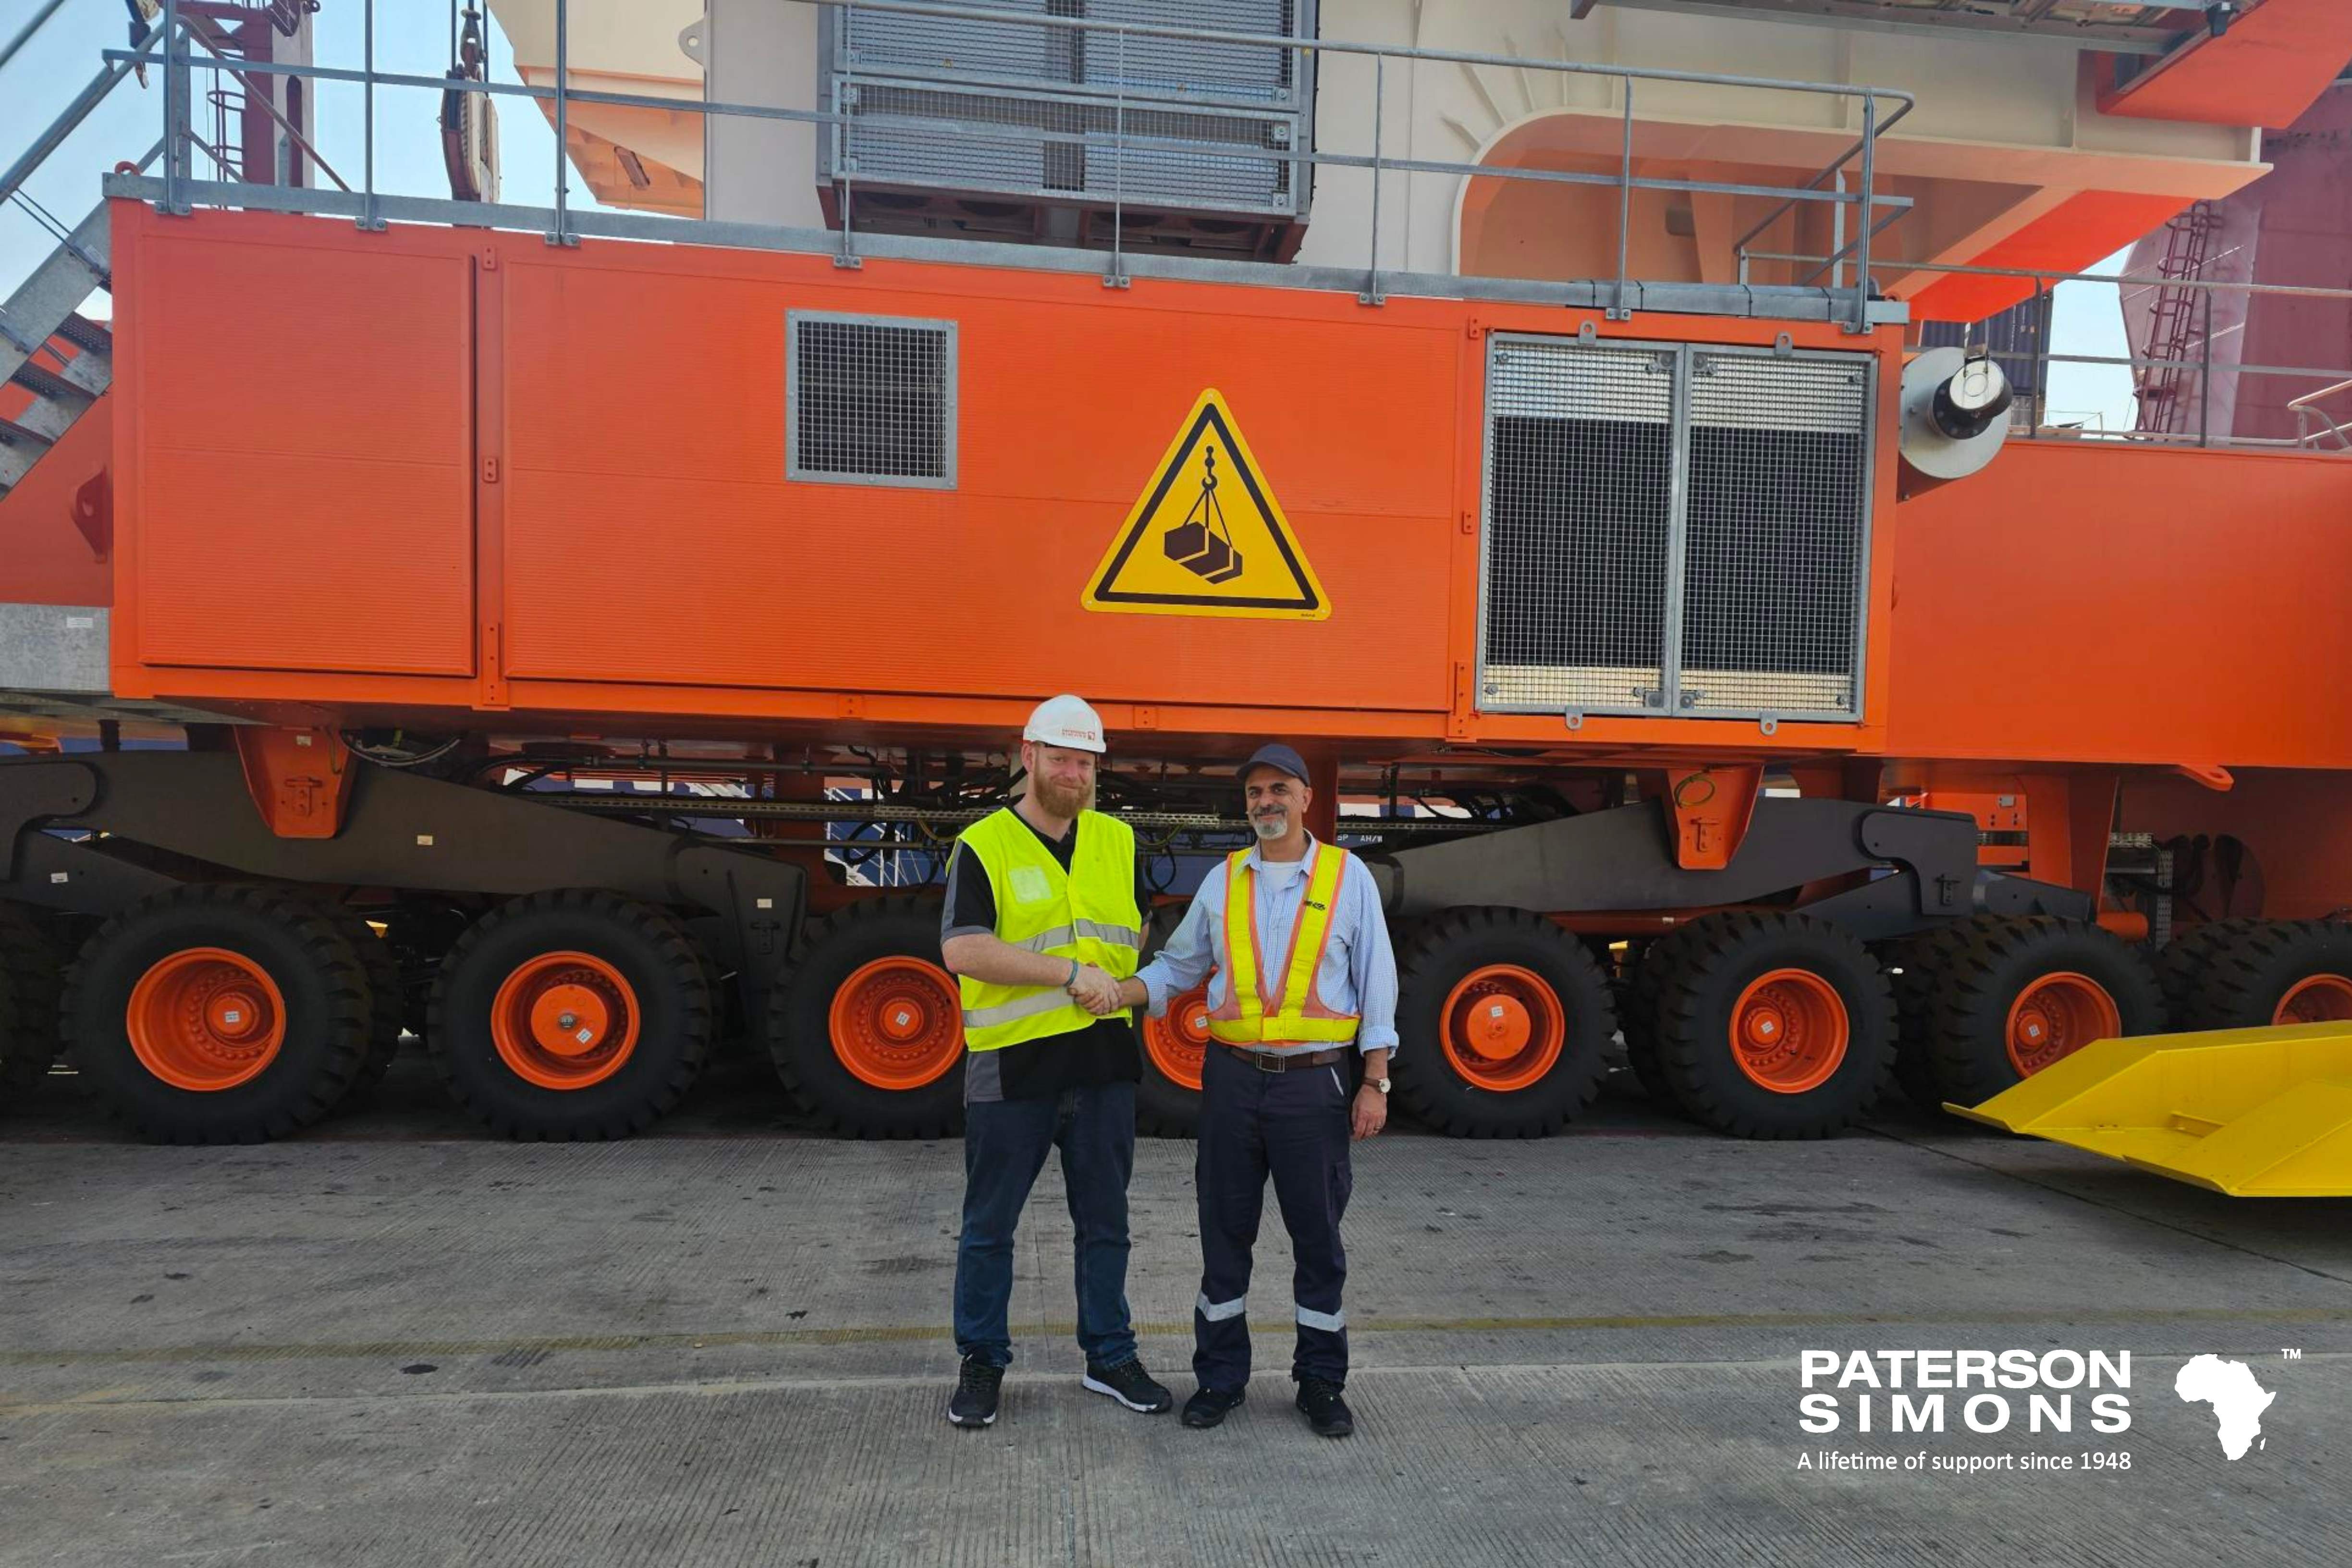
(1266,1061)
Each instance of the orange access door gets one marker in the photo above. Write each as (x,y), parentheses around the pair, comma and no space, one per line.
(294,439)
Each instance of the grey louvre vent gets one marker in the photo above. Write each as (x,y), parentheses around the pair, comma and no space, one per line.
(1675,530)
(870,400)
(1031,133)
(1018,54)
(1068,147)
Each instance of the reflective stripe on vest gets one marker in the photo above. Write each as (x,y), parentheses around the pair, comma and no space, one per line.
(1088,913)
(1298,1015)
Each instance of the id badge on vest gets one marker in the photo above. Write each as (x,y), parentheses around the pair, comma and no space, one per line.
(1030,886)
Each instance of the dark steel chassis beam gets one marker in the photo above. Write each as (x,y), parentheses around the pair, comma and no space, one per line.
(1921,865)
(400,831)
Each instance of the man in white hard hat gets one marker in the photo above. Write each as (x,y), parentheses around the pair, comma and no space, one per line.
(1044,919)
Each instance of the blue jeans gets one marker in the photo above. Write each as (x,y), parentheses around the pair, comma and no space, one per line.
(1004,1146)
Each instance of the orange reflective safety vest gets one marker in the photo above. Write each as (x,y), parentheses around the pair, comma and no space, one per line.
(1279,1008)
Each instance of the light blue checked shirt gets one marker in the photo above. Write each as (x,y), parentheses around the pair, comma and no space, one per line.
(1358,975)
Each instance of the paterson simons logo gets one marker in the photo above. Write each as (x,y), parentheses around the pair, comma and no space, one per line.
(2061,1394)
(1933,1393)
(1986,1391)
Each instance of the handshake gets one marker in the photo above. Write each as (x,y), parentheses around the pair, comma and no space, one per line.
(1095,990)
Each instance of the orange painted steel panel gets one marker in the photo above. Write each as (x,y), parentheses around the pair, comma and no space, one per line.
(2098,603)
(2296,828)
(1066,405)
(2271,66)
(302,447)
(2073,237)
(45,559)
(647,569)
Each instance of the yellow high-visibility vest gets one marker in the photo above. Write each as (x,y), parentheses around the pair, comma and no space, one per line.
(1087,912)
(1297,1015)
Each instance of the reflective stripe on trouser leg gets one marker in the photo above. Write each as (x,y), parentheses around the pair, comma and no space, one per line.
(1329,1322)
(1229,1182)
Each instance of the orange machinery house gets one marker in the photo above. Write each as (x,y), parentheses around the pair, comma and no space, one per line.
(578,514)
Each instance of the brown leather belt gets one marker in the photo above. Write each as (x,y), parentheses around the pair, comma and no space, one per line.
(1266,1061)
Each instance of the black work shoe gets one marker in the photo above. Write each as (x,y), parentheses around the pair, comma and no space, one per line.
(1129,1384)
(1318,1398)
(974,1404)
(1211,1405)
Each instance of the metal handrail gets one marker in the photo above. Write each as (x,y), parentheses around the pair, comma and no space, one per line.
(2306,409)
(2045,282)
(1867,199)
(120,64)
(2043,274)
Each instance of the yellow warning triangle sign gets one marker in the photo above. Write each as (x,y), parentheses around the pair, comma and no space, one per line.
(1207,537)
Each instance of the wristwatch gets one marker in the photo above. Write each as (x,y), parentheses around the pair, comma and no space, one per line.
(1379,1083)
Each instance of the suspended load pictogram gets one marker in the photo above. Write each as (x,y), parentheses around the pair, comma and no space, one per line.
(1207,536)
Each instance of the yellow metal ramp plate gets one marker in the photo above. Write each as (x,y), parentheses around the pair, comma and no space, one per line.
(2250,1112)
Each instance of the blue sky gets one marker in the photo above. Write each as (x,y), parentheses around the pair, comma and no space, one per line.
(413,37)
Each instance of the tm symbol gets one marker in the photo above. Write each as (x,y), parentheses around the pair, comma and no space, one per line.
(2290,1355)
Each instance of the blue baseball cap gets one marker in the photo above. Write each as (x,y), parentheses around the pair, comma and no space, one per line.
(1275,754)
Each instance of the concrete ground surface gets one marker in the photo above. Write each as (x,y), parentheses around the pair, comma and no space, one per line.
(394,1340)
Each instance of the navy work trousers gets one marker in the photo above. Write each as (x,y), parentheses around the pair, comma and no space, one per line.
(1004,1146)
(1292,1126)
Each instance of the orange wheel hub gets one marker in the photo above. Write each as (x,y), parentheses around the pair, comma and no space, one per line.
(564,1020)
(1503,1028)
(2318,999)
(2057,1015)
(897,1024)
(205,1019)
(1178,1042)
(1789,1031)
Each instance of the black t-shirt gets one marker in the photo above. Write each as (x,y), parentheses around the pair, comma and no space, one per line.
(1103,1052)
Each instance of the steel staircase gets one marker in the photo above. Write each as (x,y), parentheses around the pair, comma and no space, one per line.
(60,360)
(55,362)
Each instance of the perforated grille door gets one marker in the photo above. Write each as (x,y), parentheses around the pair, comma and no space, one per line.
(870,400)
(1776,537)
(1675,530)
(1580,445)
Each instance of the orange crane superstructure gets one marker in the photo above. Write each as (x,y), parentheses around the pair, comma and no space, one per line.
(1694,664)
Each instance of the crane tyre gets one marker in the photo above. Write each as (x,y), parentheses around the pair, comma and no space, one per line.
(2012,995)
(2273,972)
(31,979)
(867,1026)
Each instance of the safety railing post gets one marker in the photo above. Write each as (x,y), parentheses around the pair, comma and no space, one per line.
(2037,405)
(2205,379)
(2046,350)
(370,219)
(845,160)
(1117,279)
(563,233)
(1861,235)
(1372,294)
(1620,311)
(175,114)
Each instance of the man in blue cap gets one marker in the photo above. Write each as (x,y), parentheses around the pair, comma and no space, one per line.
(1301,977)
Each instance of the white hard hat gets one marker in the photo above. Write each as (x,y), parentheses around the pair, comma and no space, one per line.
(1065,720)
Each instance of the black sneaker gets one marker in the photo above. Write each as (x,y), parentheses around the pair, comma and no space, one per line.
(1318,1398)
(1211,1405)
(1129,1384)
(974,1404)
